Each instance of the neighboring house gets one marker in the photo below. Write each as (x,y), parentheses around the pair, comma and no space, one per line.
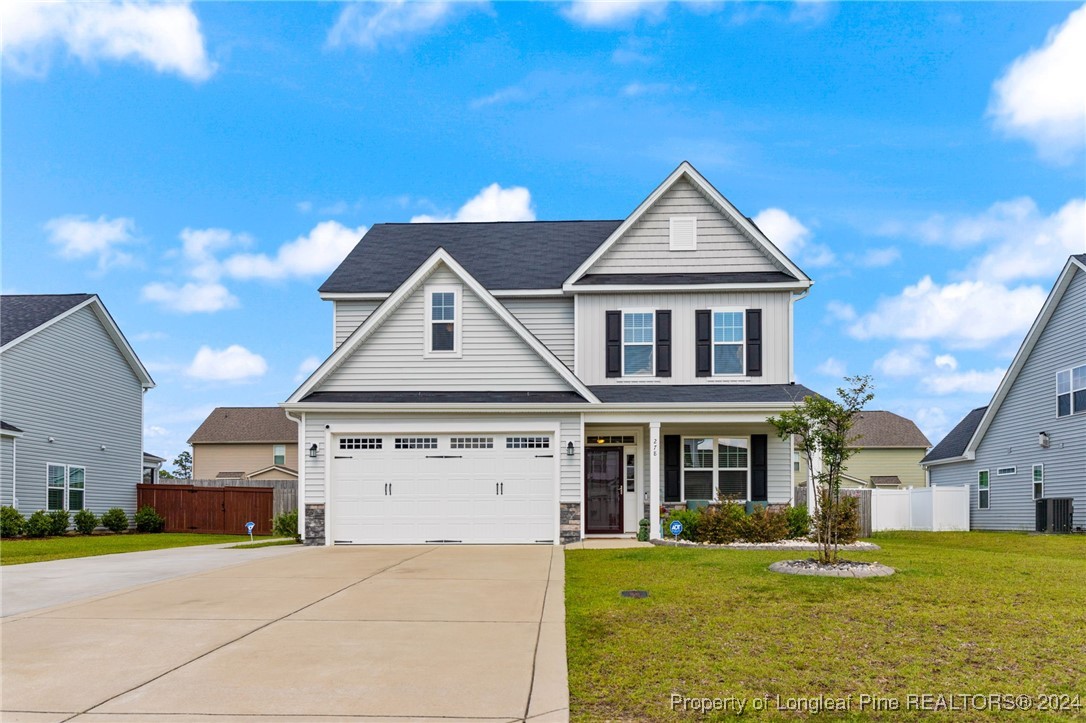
(1024,455)
(890,448)
(254,443)
(71,390)
(152,465)
(543,381)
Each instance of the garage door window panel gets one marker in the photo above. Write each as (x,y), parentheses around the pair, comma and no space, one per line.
(416,443)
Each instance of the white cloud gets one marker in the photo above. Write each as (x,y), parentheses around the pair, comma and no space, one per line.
(232,364)
(877,258)
(79,237)
(793,238)
(612,13)
(840,311)
(307,367)
(972,381)
(318,252)
(493,203)
(190,298)
(151,336)
(831,367)
(946,361)
(933,421)
(965,314)
(155,431)
(304,206)
(638,89)
(903,362)
(165,36)
(1042,96)
(369,25)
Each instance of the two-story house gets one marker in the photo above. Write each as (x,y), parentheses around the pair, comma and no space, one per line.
(544,381)
(1024,455)
(251,443)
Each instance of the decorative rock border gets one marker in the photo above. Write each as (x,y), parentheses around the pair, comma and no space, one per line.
(841,569)
(802,545)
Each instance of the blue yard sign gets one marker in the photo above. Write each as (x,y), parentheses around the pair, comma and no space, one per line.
(675,528)
(249,528)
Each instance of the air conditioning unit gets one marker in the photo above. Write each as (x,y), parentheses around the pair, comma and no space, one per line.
(1055,514)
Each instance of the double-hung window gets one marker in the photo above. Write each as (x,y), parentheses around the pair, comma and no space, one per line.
(728,338)
(984,491)
(65,487)
(443,320)
(1038,481)
(1071,391)
(715,468)
(279,454)
(638,340)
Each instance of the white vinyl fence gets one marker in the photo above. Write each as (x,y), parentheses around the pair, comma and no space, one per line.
(931,509)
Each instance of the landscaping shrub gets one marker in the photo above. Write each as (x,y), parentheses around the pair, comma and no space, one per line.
(12,524)
(799,522)
(148,520)
(85,522)
(286,525)
(764,525)
(115,520)
(59,521)
(848,520)
(720,524)
(39,524)
(690,519)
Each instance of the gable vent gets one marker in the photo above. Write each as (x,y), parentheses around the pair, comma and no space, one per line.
(684,233)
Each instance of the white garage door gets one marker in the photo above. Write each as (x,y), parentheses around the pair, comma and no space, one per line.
(470,488)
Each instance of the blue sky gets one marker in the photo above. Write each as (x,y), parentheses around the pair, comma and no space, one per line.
(203,167)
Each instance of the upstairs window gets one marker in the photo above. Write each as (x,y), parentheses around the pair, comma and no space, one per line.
(683,233)
(638,342)
(443,320)
(1071,391)
(279,454)
(728,339)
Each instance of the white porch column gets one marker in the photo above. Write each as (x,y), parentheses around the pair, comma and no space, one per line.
(654,480)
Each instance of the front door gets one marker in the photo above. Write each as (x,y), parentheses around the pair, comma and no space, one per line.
(603,490)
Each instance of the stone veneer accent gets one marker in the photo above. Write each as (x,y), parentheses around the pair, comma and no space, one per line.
(314,524)
(570,518)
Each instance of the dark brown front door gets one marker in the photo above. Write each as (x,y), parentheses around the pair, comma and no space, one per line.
(603,490)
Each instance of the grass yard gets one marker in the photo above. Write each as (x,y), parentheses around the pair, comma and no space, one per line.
(966,613)
(18,551)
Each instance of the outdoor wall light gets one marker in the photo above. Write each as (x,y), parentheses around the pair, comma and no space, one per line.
(51,440)
(569,449)
(102,447)
(313,451)
(1043,440)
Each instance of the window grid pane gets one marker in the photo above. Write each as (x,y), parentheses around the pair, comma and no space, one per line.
(637,328)
(527,442)
(471,442)
(1038,473)
(443,306)
(728,326)
(732,453)
(698,453)
(416,443)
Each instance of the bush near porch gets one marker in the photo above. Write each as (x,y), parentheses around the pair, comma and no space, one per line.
(967,612)
(727,522)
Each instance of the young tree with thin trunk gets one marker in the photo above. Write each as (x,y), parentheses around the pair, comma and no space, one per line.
(822,427)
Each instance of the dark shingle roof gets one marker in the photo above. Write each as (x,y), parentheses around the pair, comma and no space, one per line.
(886,429)
(20,313)
(1081,258)
(953,445)
(739,393)
(246,424)
(501,255)
(728,277)
(889,480)
(467,397)
(9,427)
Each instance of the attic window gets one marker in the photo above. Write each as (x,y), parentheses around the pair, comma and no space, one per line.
(684,233)
(442,321)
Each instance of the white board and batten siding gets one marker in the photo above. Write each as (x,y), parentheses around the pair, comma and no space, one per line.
(492,354)
(646,246)
(592,320)
(70,382)
(1029,408)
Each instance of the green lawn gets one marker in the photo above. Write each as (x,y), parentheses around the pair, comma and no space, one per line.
(16,552)
(966,613)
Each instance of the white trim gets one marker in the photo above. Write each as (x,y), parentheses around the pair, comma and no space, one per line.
(1071,389)
(1006,471)
(382,312)
(10,433)
(382,295)
(651,344)
(112,329)
(428,338)
(693,221)
(725,206)
(655,495)
(713,342)
(1033,481)
(988,489)
(286,470)
(576,337)
(715,469)
(668,288)
(66,501)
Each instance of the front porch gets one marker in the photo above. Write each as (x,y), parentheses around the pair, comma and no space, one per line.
(632,470)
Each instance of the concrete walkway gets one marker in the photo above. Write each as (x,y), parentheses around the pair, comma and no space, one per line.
(377,633)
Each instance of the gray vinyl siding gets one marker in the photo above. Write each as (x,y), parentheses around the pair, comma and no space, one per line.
(721,246)
(570,474)
(70,382)
(591,322)
(1029,408)
(348,316)
(6,447)
(493,357)
(550,319)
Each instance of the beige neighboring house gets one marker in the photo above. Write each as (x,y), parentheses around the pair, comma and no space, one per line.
(890,449)
(251,443)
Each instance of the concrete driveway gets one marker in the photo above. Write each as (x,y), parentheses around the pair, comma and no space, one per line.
(384,633)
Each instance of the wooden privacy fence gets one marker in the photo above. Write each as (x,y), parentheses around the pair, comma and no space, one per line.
(189,508)
(863,506)
(284,499)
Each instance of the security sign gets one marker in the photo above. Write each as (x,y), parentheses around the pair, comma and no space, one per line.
(675,528)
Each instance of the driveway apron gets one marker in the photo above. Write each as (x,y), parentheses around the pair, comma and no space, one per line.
(381,633)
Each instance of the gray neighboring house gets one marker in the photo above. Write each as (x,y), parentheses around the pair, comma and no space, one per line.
(1024,454)
(71,395)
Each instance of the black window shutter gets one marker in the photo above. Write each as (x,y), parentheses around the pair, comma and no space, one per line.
(614,343)
(672,467)
(663,343)
(754,342)
(703,333)
(759,468)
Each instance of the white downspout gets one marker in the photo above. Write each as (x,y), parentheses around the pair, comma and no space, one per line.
(14,472)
